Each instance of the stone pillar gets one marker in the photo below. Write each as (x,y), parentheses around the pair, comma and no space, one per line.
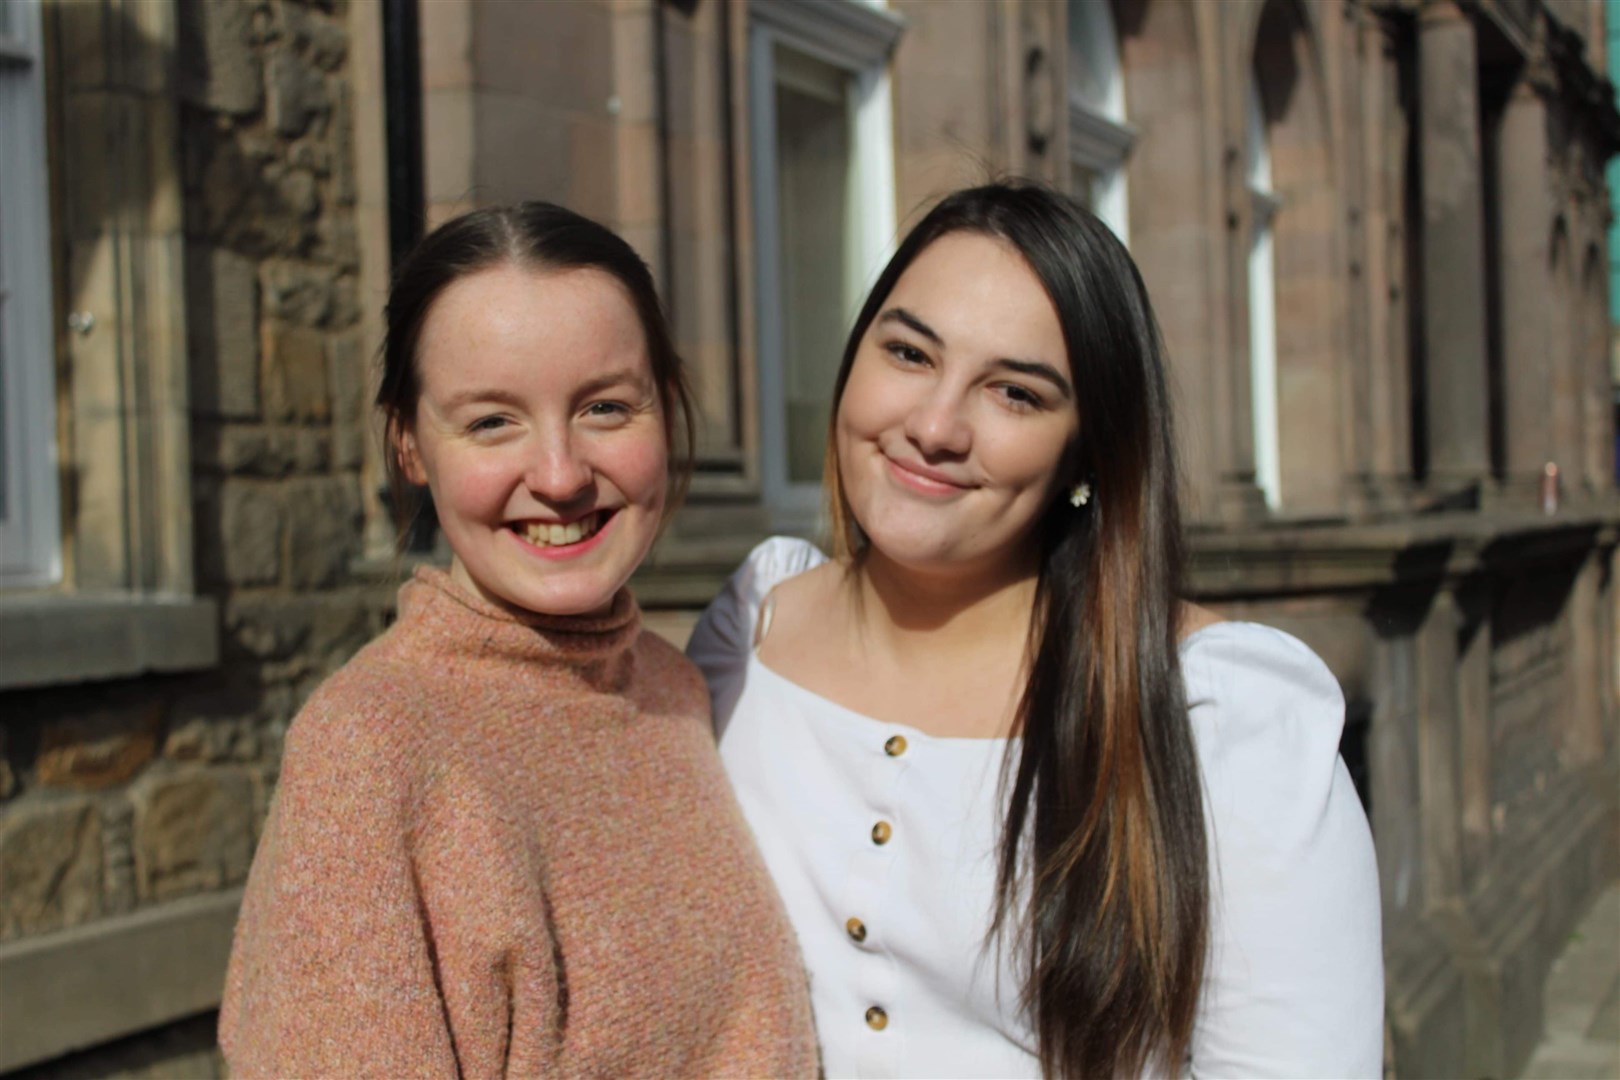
(1528,303)
(1388,461)
(1448,667)
(1453,249)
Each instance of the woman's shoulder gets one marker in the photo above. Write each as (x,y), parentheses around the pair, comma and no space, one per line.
(727,624)
(1259,699)
(1236,663)
(773,562)
(365,717)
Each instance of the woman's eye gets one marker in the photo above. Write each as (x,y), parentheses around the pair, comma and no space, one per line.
(906,354)
(609,409)
(1021,397)
(487,423)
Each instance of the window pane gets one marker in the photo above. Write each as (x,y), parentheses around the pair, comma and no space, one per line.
(1094,76)
(813,200)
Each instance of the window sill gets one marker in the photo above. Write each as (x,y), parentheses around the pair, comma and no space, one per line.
(78,988)
(54,640)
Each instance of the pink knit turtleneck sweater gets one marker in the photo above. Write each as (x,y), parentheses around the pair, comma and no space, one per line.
(505,846)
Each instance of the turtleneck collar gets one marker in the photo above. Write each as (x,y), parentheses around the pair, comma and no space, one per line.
(472,626)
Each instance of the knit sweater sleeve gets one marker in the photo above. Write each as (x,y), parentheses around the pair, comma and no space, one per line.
(333,969)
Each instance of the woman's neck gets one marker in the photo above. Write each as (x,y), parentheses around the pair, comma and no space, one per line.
(939,616)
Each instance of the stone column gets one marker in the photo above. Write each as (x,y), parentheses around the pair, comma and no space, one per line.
(1453,249)
(1388,460)
(1528,303)
(1448,668)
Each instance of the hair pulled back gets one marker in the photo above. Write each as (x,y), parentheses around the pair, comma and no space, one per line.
(545,238)
(1104,810)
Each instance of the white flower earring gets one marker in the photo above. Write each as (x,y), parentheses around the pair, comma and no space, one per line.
(1080,494)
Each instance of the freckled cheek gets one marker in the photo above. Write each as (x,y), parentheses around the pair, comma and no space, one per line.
(474,486)
(639,468)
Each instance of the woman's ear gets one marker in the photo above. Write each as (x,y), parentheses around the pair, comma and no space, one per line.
(407,453)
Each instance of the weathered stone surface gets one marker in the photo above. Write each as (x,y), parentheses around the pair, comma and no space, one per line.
(346,187)
(297,94)
(312,155)
(312,450)
(223,322)
(50,866)
(250,533)
(193,831)
(268,627)
(345,301)
(349,447)
(295,372)
(213,740)
(98,750)
(299,292)
(117,856)
(346,368)
(259,451)
(324,520)
(340,242)
(300,192)
(8,781)
(223,71)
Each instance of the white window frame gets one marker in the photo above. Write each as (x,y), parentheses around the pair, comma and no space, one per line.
(1262,304)
(1100,140)
(30,527)
(856,36)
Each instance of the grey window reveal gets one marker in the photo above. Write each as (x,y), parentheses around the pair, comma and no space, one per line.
(29,527)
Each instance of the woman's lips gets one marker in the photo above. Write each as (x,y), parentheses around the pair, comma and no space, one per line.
(921,478)
(551,540)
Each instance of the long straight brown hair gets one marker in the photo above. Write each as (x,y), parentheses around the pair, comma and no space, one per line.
(1105,795)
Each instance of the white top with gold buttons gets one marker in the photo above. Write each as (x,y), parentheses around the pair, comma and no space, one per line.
(882,840)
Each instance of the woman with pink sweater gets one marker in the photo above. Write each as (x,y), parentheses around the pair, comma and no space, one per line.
(502,842)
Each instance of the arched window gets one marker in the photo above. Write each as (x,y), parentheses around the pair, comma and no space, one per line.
(1099,138)
(1262,302)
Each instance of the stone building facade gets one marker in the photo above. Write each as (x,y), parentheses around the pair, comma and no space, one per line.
(1374,231)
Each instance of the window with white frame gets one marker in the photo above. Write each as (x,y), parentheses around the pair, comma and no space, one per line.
(29,528)
(1099,138)
(824,216)
(1262,303)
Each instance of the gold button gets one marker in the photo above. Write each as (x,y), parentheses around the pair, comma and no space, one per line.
(895,746)
(881,833)
(876,1018)
(857,930)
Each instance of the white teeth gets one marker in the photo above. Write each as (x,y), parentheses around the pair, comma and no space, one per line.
(543,534)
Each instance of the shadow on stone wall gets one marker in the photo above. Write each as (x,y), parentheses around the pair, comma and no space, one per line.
(123,795)
(185,1049)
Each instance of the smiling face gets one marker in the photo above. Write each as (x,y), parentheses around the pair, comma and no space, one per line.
(541,434)
(954,425)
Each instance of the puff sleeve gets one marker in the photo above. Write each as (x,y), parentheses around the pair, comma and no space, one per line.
(723,638)
(1294,985)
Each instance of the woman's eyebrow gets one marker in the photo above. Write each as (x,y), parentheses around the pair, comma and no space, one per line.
(1039,370)
(906,318)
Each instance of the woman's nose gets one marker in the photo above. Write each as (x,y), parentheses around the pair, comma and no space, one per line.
(938,425)
(558,472)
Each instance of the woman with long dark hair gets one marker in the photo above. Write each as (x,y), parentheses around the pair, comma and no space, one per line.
(502,843)
(1030,810)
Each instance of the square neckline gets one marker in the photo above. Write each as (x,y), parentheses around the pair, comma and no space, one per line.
(854,717)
